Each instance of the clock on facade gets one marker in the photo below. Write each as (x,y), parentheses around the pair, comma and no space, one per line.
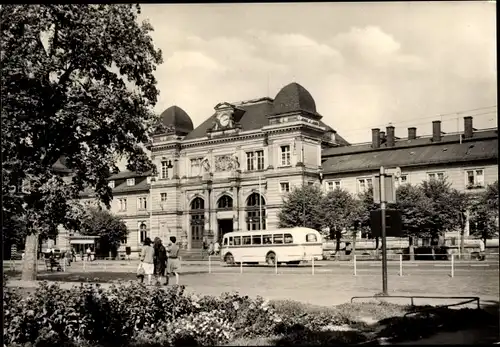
(224,119)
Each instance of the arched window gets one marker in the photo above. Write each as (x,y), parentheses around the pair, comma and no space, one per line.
(256,205)
(225,202)
(143,231)
(197,221)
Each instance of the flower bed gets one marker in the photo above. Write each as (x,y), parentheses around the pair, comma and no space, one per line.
(134,315)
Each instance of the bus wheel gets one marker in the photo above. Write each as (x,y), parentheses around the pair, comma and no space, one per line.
(229,259)
(271,258)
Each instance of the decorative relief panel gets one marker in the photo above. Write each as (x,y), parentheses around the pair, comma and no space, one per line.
(227,162)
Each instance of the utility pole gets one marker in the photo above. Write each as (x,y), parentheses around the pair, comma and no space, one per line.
(383,231)
(260,205)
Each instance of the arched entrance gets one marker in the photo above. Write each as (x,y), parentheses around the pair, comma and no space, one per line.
(143,232)
(254,208)
(197,221)
(224,216)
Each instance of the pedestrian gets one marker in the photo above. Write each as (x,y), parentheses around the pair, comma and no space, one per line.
(89,253)
(173,263)
(185,243)
(204,248)
(216,248)
(160,260)
(73,254)
(211,248)
(482,247)
(146,265)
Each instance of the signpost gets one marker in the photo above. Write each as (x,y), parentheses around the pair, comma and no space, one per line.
(384,192)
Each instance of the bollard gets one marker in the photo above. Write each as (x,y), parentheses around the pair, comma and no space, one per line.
(241,266)
(209,264)
(104,264)
(453,265)
(313,265)
(400,265)
(276,266)
(354,260)
(84,261)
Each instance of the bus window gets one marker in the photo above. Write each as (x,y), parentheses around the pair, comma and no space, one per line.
(288,238)
(267,239)
(278,238)
(237,240)
(257,240)
(311,238)
(246,240)
(225,241)
(230,240)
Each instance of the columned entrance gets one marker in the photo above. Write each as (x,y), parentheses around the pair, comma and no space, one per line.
(224,216)
(197,222)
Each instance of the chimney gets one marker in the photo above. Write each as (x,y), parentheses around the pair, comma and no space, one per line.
(412,133)
(468,130)
(436,131)
(390,136)
(376,138)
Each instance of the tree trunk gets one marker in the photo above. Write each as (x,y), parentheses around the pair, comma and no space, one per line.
(462,242)
(411,248)
(354,236)
(30,258)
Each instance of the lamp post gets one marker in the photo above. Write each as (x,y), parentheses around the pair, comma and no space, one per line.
(151,205)
(260,205)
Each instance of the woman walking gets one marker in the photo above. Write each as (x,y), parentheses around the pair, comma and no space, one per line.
(147,261)
(173,259)
(160,260)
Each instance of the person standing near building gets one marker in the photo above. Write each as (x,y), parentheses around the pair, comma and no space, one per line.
(211,249)
(482,248)
(173,263)
(147,260)
(160,260)
(216,248)
(89,253)
(204,248)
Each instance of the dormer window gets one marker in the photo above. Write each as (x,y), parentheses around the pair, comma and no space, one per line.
(111,184)
(130,182)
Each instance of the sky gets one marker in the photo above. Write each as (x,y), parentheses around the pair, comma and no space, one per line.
(365,64)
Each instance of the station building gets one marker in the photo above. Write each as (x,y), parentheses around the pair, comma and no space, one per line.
(232,171)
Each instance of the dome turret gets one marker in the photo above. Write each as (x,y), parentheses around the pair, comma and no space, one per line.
(293,97)
(177,119)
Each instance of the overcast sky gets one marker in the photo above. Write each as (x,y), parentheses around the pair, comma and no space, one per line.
(365,64)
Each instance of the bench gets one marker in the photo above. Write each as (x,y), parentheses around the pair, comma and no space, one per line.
(50,264)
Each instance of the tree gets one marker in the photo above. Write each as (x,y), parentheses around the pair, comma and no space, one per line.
(484,213)
(366,206)
(110,229)
(301,207)
(339,211)
(414,206)
(77,83)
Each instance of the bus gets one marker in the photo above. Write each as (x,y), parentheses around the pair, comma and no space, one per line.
(290,246)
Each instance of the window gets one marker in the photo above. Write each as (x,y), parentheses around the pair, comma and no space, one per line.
(230,241)
(267,239)
(332,185)
(311,238)
(130,182)
(255,160)
(254,207)
(435,175)
(123,241)
(401,180)
(288,238)
(111,184)
(278,239)
(142,203)
(237,240)
(246,240)
(475,178)
(123,204)
(164,170)
(224,242)
(163,197)
(284,187)
(285,156)
(364,184)
(310,183)
(195,166)
(257,240)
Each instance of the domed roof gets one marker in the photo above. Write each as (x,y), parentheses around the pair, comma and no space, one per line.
(293,97)
(175,116)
